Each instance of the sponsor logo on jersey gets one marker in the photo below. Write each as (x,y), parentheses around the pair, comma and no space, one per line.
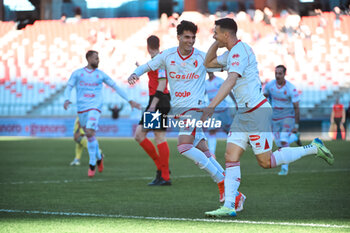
(254,137)
(235,56)
(89,95)
(97,76)
(172,63)
(182,94)
(82,83)
(183,76)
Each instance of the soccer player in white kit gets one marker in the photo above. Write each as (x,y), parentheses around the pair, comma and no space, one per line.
(223,111)
(186,77)
(252,123)
(284,98)
(88,82)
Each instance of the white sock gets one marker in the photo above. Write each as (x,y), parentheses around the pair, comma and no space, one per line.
(92,145)
(212,143)
(232,182)
(200,159)
(292,138)
(290,154)
(213,160)
(98,152)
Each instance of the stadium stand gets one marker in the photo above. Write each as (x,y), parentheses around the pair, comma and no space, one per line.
(37,61)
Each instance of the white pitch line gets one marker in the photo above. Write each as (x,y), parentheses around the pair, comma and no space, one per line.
(174,177)
(174,219)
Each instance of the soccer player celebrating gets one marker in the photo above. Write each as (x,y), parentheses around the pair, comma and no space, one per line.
(159,99)
(88,82)
(222,111)
(186,76)
(252,123)
(285,115)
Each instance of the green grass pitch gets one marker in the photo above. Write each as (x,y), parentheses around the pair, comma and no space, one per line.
(40,192)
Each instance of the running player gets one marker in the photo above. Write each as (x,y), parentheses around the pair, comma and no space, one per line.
(252,123)
(186,76)
(222,112)
(88,82)
(284,99)
(159,99)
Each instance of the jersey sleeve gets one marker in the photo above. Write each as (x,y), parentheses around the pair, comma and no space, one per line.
(70,85)
(295,97)
(158,62)
(222,59)
(107,80)
(237,61)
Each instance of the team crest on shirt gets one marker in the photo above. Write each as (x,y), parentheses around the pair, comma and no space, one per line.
(285,92)
(97,76)
(195,63)
(172,63)
(81,74)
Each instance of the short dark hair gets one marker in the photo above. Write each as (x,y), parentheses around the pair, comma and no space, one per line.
(185,25)
(283,67)
(153,42)
(228,24)
(90,53)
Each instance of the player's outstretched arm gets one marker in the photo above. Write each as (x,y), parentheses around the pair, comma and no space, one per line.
(133,79)
(134,104)
(66,104)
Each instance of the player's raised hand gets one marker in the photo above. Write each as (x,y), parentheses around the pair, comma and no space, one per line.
(133,79)
(207,112)
(66,104)
(135,104)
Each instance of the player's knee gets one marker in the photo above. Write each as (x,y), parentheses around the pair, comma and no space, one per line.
(159,139)
(184,147)
(139,137)
(90,133)
(264,164)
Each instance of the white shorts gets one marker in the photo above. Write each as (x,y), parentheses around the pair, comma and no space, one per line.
(253,127)
(188,116)
(89,119)
(282,129)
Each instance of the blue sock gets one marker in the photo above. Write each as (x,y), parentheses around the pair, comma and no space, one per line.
(92,145)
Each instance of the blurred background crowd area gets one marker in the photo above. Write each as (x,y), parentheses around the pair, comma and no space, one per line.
(43,42)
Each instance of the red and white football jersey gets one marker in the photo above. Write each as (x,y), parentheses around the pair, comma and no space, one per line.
(241,59)
(282,99)
(186,76)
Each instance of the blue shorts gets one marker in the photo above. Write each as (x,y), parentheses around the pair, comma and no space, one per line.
(89,119)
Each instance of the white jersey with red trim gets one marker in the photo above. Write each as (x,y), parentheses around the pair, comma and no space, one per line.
(186,76)
(241,59)
(89,84)
(282,99)
(212,87)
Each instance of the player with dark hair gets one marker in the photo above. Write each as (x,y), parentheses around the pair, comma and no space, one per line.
(252,123)
(186,76)
(159,99)
(88,82)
